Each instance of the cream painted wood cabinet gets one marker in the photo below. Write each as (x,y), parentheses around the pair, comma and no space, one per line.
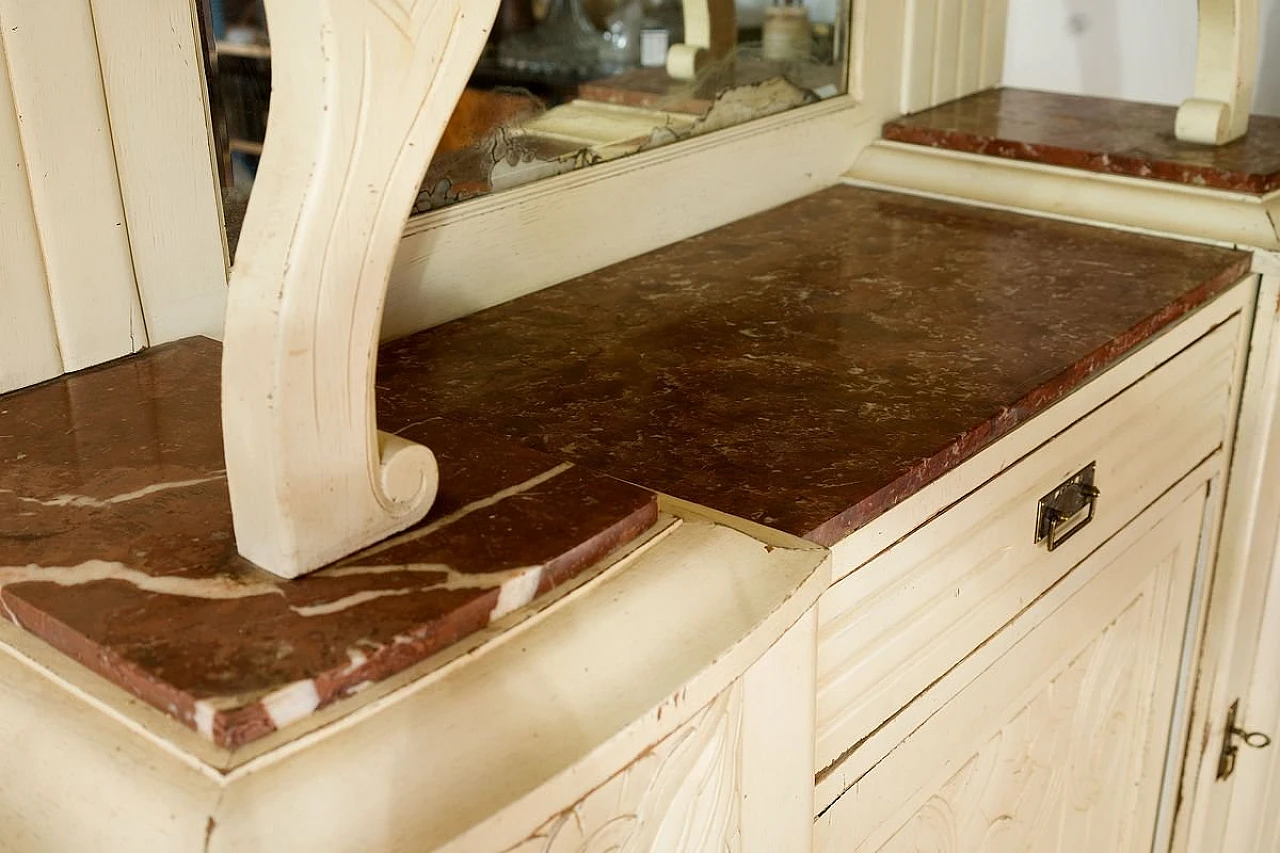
(980,692)
(1059,744)
(938,681)
(956,686)
(975,690)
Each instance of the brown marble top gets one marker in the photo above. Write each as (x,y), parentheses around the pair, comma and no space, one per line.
(1096,134)
(809,367)
(806,368)
(116,548)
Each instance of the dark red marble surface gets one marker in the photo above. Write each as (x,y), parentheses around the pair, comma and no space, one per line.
(810,367)
(116,547)
(1096,134)
(807,368)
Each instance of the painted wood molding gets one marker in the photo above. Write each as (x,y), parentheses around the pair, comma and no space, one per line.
(1059,192)
(362,90)
(73,182)
(28,338)
(951,48)
(1226,65)
(710,34)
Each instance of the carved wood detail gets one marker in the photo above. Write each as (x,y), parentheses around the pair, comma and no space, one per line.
(683,794)
(1226,65)
(1048,779)
(362,91)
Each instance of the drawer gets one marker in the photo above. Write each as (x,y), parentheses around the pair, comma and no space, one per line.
(1058,743)
(901,621)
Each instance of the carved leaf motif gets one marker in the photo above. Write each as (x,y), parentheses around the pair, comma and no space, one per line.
(682,795)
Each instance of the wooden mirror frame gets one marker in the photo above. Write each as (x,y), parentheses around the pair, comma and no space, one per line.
(356,115)
(449,262)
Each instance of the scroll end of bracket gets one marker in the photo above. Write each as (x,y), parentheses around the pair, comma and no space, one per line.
(410,477)
(315,527)
(1206,122)
(684,61)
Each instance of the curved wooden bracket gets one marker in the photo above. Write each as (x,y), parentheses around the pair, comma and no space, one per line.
(1226,65)
(361,93)
(710,34)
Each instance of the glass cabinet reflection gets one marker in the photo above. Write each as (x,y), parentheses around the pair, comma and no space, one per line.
(563,85)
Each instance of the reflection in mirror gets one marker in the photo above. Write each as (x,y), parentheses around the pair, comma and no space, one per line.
(564,84)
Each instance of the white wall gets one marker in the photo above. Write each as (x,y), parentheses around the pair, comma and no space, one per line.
(1142,50)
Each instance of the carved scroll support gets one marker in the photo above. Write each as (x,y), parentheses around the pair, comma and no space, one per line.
(1226,65)
(362,91)
(710,35)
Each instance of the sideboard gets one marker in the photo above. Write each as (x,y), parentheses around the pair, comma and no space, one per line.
(930,565)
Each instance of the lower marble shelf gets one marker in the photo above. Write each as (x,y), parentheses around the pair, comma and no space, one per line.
(116,548)
(1103,135)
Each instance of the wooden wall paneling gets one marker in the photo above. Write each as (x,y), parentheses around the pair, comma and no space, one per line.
(920,44)
(951,48)
(151,74)
(972,32)
(946,60)
(995,27)
(28,339)
(62,118)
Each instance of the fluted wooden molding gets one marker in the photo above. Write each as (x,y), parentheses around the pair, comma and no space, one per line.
(362,90)
(710,34)
(1226,66)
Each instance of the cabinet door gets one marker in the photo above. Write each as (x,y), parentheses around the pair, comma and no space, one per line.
(1059,744)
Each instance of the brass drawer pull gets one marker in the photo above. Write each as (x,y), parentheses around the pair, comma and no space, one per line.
(1067,509)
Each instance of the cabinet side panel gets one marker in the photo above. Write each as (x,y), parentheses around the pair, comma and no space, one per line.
(28,340)
(62,119)
(777,737)
(74,778)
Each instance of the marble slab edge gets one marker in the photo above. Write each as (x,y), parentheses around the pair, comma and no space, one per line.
(971,442)
(1088,161)
(1080,132)
(116,550)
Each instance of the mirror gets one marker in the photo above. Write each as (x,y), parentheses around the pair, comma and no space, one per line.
(563,85)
